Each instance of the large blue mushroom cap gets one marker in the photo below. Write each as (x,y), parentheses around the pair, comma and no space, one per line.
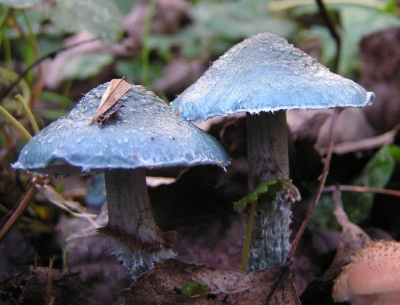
(266,73)
(144,133)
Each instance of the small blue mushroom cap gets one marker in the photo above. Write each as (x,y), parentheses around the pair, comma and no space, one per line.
(266,73)
(145,133)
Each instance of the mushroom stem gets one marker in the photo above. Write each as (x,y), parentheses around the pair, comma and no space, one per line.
(139,241)
(267,150)
(130,218)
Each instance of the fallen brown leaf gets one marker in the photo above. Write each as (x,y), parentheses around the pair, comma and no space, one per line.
(163,283)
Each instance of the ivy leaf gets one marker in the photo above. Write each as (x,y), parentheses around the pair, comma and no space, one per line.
(100,17)
(270,187)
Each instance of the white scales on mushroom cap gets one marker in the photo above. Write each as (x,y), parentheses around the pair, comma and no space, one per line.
(266,73)
(144,133)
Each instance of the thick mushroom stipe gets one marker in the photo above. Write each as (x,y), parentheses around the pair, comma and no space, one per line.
(130,219)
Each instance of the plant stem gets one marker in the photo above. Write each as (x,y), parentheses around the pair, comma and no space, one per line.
(267,150)
(19,211)
(247,240)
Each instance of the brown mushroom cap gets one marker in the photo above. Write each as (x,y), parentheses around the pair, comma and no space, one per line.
(372,277)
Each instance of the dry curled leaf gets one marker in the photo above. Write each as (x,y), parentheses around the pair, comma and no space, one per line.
(115,90)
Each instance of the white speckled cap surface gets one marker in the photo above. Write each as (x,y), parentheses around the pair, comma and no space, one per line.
(266,73)
(144,133)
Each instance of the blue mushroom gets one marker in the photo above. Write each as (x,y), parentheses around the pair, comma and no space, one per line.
(143,133)
(263,76)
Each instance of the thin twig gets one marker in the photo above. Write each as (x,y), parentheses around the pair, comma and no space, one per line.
(332,30)
(50,299)
(361,189)
(364,144)
(324,174)
(16,214)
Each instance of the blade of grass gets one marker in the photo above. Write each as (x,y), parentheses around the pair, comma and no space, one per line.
(7,15)
(28,113)
(17,125)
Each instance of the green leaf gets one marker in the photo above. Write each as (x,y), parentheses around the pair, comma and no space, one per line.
(390,6)
(86,65)
(18,4)
(195,289)
(131,69)
(376,174)
(100,17)
(358,23)
(7,77)
(394,151)
(323,214)
(269,187)
(59,105)
(218,25)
